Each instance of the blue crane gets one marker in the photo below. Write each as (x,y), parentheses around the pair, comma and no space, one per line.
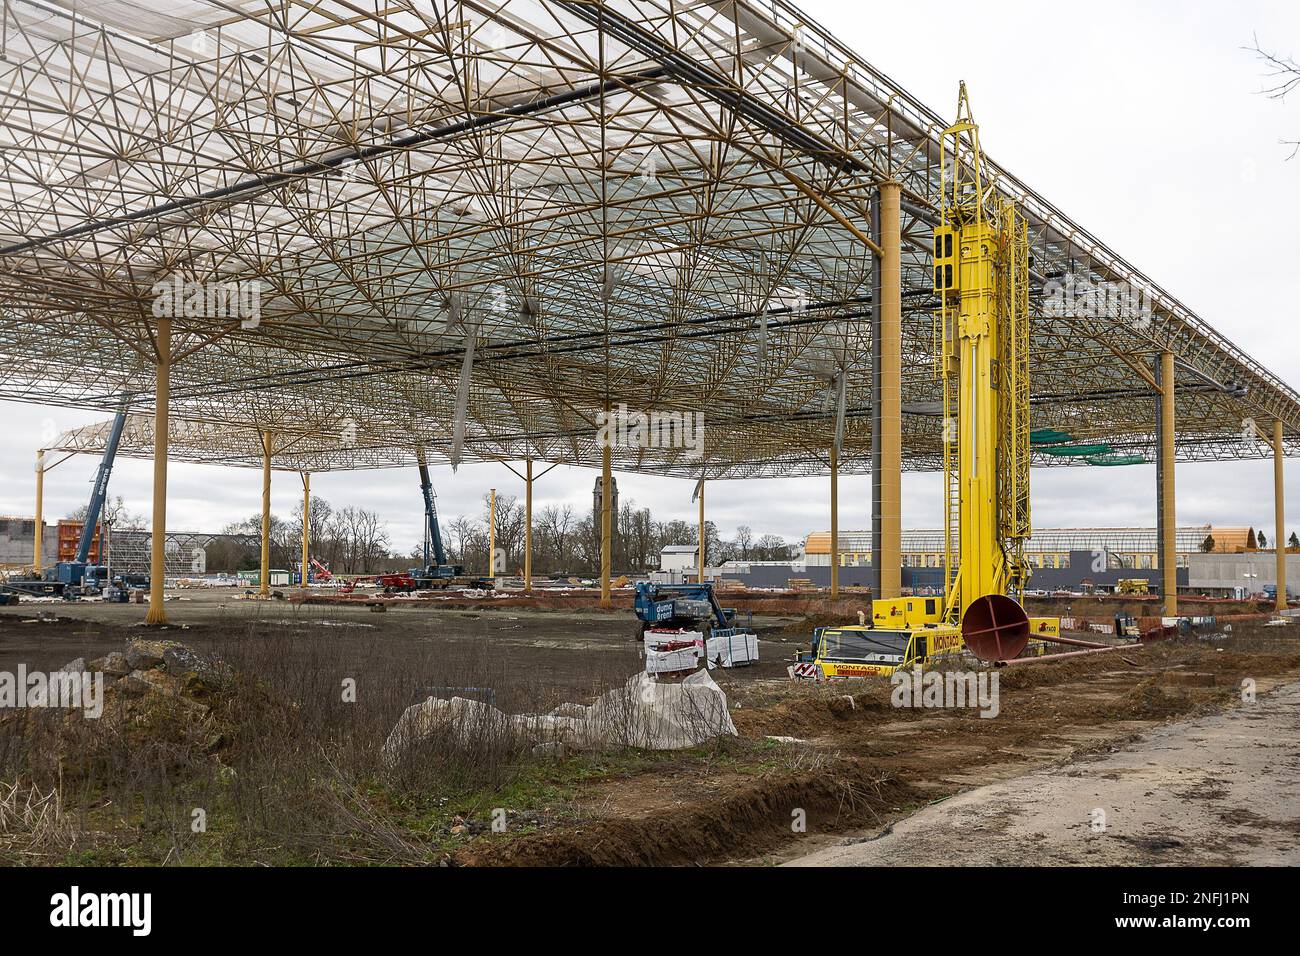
(431,532)
(78,571)
(438,573)
(78,576)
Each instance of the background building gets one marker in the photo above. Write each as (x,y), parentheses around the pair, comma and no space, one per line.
(1134,548)
(187,552)
(18,542)
(597,502)
(1238,575)
(1067,559)
(679,557)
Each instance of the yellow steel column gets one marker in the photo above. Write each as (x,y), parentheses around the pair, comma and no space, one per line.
(492,533)
(528,526)
(890,317)
(1279,528)
(1168,551)
(157,541)
(835,524)
(701,555)
(265,590)
(606,527)
(306,527)
(40,508)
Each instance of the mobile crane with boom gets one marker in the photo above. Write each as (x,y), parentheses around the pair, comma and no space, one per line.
(78,577)
(435,575)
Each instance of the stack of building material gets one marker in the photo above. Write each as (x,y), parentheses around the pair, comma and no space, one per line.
(671,651)
(732,650)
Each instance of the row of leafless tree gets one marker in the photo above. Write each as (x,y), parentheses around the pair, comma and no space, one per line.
(566,543)
(352,540)
(346,540)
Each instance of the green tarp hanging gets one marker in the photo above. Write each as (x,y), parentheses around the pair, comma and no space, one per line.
(1076,451)
(1111,460)
(1049,436)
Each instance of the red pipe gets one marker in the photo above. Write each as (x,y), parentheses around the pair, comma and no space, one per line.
(1073,641)
(1056,657)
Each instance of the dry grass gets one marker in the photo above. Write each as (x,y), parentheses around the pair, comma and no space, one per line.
(33,826)
(286,767)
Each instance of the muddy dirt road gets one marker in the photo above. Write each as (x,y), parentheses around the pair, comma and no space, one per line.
(1218,790)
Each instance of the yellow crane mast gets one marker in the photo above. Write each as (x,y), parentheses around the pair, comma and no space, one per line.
(981,277)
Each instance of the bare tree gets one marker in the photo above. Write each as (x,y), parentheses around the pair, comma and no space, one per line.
(114,513)
(283,541)
(369,538)
(637,533)
(677,532)
(362,539)
(744,541)
(771,547)
(509,527)
(587,544)
(555,531)
(319,521)
(460,534)
(1282,76)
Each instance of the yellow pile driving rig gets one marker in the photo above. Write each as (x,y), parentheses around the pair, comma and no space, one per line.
(981,332)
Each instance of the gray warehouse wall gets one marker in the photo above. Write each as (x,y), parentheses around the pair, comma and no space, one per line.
(17,541)
(1212,572)
(924,579)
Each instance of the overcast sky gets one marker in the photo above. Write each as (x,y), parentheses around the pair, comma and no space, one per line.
(1142,121)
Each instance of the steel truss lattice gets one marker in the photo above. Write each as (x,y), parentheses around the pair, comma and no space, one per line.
(647,202)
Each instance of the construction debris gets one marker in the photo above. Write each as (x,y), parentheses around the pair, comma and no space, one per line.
(154,694)
(644,714)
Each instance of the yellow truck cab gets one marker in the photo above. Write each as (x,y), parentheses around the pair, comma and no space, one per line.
(859,650)
(903,633)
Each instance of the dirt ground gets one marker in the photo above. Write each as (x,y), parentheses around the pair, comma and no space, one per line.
(1218,790)
(815,765)
(856,765)
(564,649)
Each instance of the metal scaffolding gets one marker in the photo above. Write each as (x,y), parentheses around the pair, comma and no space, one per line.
(186,551)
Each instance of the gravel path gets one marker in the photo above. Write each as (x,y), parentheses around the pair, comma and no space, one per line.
(1216,790)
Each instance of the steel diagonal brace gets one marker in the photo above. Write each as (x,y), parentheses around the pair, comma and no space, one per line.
(462,392)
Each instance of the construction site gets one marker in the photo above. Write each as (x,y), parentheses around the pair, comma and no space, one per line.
(704,243)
